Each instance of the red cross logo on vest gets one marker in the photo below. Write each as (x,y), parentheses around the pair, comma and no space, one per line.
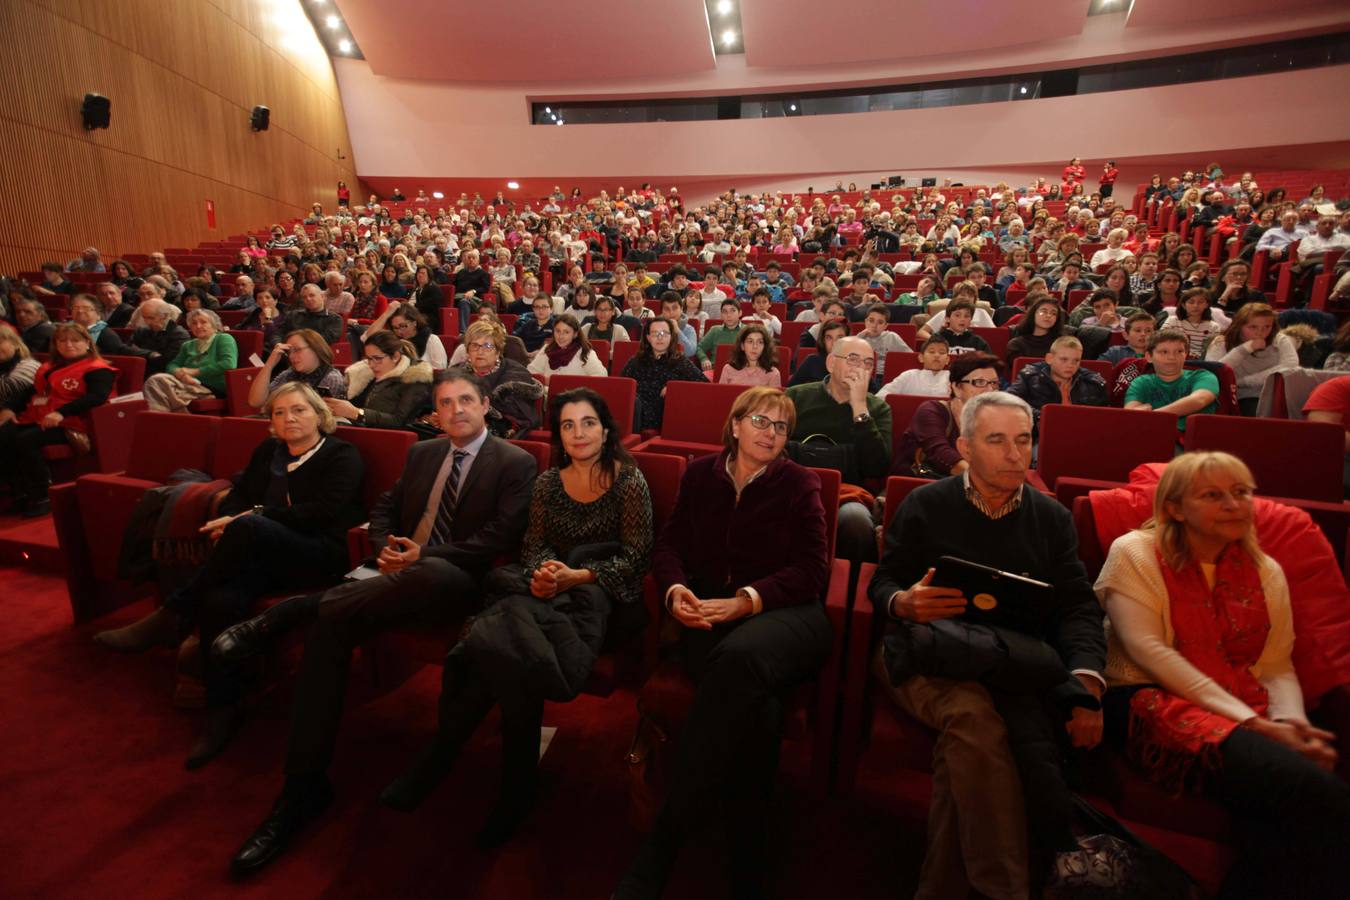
(70,384)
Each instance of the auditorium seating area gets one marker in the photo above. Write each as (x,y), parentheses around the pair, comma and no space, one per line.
(844,748)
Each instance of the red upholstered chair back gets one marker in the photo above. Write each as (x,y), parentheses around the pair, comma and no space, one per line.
(541,452)
(902,411)
(237,384)
(663,473)
(383,450)
(235,443)
(163,442)
(695,412)
(130,373)
(248,343)
(829,497)
(1288,458)
(1101,442)
(898,361)
(619,393)
(621,353)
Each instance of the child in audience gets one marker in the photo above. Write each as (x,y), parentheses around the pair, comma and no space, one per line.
(1172,388)
(1195,319)
(877,333)
(1139,327)
(956,328)
(930,379)
(753,359)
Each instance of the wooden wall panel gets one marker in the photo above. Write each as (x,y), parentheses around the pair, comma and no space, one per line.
(183,78)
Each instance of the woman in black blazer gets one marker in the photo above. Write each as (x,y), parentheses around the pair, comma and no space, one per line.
(282,526)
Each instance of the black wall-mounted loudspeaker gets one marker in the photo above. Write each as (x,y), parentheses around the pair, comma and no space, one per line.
(261,117)
(95,111)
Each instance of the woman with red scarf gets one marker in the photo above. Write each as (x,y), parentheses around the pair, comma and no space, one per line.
(1204,695)
(65,389)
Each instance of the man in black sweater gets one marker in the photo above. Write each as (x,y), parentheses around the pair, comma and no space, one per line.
(1000,738)
(311,315)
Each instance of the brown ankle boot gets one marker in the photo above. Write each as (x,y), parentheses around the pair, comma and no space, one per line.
(159,629)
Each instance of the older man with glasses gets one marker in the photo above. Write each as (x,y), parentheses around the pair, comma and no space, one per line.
(841,425)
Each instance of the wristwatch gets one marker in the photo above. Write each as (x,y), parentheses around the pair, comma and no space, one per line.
(862,418)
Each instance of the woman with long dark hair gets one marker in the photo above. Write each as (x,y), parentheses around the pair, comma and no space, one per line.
(1042,323)
(659,361)
(580,576)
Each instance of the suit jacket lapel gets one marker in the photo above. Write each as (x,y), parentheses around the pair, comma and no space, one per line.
(421,483)
(486,459)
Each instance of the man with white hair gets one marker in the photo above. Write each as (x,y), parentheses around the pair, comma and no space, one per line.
(1009,680)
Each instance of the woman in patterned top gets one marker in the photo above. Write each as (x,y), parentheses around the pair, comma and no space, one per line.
(580,576)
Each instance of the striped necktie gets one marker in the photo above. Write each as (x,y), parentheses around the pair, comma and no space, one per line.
(440,532)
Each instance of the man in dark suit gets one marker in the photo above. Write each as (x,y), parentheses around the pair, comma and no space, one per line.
(459,504)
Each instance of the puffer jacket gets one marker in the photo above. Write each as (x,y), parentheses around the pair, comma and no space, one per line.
(1036,386)
(391,401)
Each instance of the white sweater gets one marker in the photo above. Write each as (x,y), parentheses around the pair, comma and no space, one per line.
(1251,368)
(918,382)
(1140,639)
(592,366)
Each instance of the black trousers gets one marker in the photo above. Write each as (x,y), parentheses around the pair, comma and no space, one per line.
(728,752)
(1291,820)
(21,458)
(254,556)
(431,590)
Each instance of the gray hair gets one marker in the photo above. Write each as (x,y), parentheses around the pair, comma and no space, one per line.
(202,312)
(971,410)
(159,307)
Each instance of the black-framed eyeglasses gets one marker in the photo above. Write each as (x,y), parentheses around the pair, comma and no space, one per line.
(763,423)
(855,359)
(979,382)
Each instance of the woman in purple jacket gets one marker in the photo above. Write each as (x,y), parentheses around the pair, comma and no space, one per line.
(753,628)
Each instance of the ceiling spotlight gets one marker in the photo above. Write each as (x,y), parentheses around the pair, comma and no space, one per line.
(438,195)
(334,22)
(792,106)
(1023,89)
(345,45)
(513,185)
(549,110)
(723,7)
(560,121)
(728,38)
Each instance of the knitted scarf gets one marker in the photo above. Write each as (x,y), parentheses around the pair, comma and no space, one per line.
(1222,633)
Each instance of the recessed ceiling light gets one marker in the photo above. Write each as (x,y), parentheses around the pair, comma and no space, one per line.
(513,185)
(345,45)
(792,106)
(333,22)
(723,7)
(560,121)
(1023,90)
(728,38)
(438,195)
(549,110)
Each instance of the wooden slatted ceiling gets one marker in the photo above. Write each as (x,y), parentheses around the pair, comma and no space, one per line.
(182,78)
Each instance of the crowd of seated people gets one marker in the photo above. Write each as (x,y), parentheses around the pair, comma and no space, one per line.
(582,530)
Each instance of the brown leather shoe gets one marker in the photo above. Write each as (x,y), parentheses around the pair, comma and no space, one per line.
(159,629)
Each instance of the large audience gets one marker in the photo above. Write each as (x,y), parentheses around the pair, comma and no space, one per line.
(1007,296)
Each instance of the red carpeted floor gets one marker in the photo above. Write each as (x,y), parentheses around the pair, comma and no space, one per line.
(97,803)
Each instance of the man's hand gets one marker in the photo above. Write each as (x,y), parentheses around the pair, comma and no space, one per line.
(925,603)
(688,609)
(398,554)
(856,380)
(1085,725)
(51,420)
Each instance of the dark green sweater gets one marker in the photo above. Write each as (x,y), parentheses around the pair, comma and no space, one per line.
(819,413)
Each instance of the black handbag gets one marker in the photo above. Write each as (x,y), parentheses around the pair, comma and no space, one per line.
(819,451)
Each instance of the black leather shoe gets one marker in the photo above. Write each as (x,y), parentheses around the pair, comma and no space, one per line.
(253,636)
(407,792)
(222,724)
(293,809)
(506,817)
